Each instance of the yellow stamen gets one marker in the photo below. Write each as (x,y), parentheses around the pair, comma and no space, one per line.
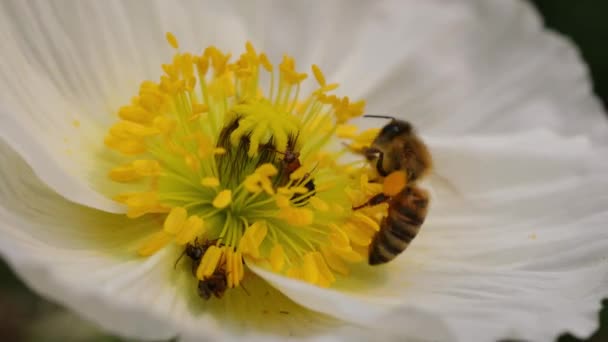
(277,258)
(318,204)
(252,239)
(175,220)
(346,131)
(209,140)
(172,40)
(311,271)
(211,182)
(318,75)
(209,262)
(223,199)
(193,227)
(154,243)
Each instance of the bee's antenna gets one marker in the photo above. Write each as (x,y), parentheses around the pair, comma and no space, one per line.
(378,116)
(178,259)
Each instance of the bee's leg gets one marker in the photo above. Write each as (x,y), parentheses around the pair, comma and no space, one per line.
(178,259)
(378,199)
(371,153)
(379,167)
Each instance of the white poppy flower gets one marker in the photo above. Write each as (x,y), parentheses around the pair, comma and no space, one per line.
(514,243)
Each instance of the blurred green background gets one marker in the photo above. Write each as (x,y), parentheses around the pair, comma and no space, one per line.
(26,317)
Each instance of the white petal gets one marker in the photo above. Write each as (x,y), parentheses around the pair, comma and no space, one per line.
(86,260)
(468,66)
(514,247)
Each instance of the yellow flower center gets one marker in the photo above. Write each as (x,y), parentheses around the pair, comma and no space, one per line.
(241,168)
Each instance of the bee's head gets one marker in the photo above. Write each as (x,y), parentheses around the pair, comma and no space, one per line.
(393,129)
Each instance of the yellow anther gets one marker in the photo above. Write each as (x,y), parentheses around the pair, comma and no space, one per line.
(338,238)
(277,258)
(394,183)
(318,75)
(357,235)
(318,204)
(175,220)
(131,146)
(252,183)
(259,180)
(193,227)
(223,199)
(202,64)
(210,182)
(252,239)
(164,125)
(299,189)
(129,129)
(142,203)
(285,190)
(298,174)
(296,216)
(170,70)
(135,114)
(172,40)
(267,170)
(209,262)
(311,272)
(154,243)
(347,254)
(265,62)
(334,261)
(199,108)
(146,167)
(366,220)
(346,131)
(124,173)
(326,278)
(229,262)
(282,201)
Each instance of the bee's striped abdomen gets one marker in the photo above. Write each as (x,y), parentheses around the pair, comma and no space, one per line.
(405,217)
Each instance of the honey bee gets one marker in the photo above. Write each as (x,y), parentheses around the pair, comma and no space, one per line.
(195,251)
(215,285)
(397,148)
(291,163)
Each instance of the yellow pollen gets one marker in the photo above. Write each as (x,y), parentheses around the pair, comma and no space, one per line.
(154,243)
(223,199)
(318,75)
(209,262)
(226,153)
(211,182)
(252,239)
(175,220)
(394,183)
(193,227)
(277,258)
(296,216)
(346,131)
(172,40)
(319,204)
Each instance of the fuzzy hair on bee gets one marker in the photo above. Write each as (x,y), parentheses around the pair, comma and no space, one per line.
(400,158)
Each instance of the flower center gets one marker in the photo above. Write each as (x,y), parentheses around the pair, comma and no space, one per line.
(240,169)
